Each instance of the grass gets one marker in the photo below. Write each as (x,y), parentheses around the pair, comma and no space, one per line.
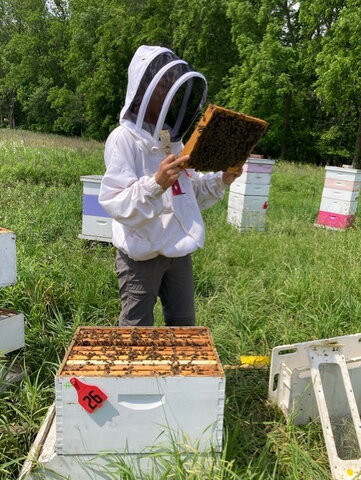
(254,290)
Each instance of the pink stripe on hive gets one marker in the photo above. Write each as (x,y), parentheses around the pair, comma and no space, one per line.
(334,220)
(348,185)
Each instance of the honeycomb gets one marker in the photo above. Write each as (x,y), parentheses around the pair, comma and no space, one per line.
(223,139)
(141,351)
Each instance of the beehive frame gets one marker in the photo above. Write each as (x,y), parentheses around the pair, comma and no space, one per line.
(223,139)
(141,351)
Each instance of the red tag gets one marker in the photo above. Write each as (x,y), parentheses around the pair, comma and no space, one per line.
(265,205)
(90,397)
(176,188)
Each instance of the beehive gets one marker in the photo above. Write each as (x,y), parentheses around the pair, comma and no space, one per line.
(223,139)
(11,330)
(163,385)
(7,258)
(96,223)
(248,196)
(339,197)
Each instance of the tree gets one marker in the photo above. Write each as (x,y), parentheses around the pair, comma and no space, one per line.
(202,35)
(339,78)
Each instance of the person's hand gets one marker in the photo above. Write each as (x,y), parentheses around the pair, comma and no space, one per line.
(229,177)
(169,170)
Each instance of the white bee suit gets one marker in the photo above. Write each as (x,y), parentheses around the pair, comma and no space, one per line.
(163,93)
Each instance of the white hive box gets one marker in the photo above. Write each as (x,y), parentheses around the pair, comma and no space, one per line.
(11,330)
(96,223)
(239,186)
(248,196)
(253,203)
(7,258)
(162,384)
(44,463)
(247,220)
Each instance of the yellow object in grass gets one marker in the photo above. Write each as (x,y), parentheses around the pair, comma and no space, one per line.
(255,360)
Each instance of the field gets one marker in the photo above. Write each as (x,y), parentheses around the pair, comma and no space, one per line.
(255,291)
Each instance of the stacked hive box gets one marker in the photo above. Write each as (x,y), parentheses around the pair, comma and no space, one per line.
(96,223)
(339,197)
(7,258)
(248,196)
(11,323)
(164,387)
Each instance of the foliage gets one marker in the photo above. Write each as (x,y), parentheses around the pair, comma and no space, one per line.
(339,70)
(63,65)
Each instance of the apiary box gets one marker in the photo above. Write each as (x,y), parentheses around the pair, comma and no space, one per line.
(163,386)
(339,197)
(7,258)
(240,187)
(96,223)
(11,330)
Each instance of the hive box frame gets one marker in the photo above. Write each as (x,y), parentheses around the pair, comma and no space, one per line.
(231,159)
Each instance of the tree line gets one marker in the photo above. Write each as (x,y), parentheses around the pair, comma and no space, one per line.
(296,64)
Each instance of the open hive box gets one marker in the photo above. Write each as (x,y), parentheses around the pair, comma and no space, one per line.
(142,352)
(223,139)
(163,382)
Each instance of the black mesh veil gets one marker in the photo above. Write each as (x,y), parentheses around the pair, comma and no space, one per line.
(171,90)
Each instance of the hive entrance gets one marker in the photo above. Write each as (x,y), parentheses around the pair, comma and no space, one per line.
(142,351)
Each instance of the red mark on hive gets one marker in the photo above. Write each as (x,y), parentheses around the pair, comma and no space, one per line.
(90,397)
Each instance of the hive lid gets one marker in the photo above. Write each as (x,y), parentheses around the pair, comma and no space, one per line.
(141,351)
(223,139)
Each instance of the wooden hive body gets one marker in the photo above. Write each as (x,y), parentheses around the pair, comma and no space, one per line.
(163,385)
(223,139)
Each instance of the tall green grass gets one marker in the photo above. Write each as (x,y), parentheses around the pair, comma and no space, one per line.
(296,282)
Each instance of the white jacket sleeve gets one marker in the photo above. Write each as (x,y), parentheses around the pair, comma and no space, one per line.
(208,188)
(130,200)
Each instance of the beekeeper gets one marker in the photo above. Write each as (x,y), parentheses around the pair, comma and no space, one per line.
(154,204)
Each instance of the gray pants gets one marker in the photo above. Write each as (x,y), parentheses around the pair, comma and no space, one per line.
(141,282)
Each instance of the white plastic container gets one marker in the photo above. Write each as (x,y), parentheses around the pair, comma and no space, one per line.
(321,381)
(11,330)
(96,223)
(7,258)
